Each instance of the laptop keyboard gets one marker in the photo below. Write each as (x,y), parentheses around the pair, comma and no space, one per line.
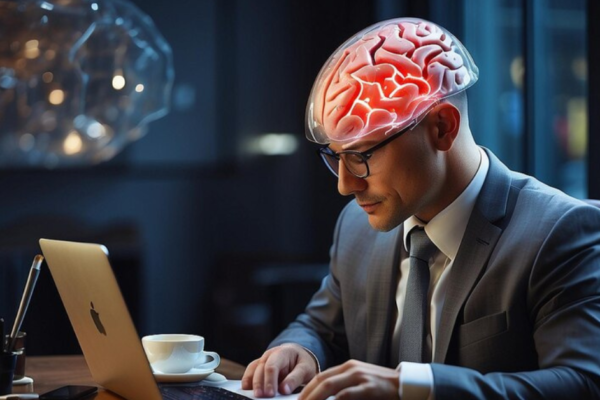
(198,393)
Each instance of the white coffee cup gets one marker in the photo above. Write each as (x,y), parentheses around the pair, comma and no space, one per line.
(178,353)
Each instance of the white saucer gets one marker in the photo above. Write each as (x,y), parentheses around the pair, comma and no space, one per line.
(192,375)
(23,381)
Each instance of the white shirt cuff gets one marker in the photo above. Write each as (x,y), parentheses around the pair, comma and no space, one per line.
(416,381)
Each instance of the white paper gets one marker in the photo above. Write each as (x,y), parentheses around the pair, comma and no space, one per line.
(236,387)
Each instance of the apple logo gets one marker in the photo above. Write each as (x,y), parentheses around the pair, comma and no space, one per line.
(96,318)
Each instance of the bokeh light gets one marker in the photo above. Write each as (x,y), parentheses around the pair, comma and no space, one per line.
(79,80)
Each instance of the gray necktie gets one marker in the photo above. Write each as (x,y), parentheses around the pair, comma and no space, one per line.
(413,331)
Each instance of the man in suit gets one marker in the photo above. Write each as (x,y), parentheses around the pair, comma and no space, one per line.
(510,304)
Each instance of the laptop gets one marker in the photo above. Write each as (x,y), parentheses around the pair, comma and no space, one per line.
(103,326)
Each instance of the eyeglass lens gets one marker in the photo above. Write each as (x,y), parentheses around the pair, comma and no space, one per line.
(355,163)
(332,162)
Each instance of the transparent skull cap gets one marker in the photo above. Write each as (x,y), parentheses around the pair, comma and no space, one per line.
(384,78)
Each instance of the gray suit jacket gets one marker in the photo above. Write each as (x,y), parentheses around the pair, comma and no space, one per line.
(521,317)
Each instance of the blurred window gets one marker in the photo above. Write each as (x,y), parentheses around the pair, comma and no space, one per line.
(530,104)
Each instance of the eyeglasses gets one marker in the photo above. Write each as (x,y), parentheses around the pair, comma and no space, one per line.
(356,162)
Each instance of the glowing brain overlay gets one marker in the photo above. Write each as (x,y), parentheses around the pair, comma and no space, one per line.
(384,78)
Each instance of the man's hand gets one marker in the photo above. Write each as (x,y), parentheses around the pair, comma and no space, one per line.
(282,368)
(354,380)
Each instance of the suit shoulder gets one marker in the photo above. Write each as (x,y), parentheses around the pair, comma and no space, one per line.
(537,194)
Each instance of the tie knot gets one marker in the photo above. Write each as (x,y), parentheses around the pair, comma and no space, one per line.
(421,246)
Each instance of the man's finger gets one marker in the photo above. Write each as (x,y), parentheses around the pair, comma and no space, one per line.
(272,368)
(353,393)
(320,388)
(258,379)
(333,371)
(298,376)
(289,364)
(248,375)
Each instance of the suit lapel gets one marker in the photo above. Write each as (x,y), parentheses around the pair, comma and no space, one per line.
(475,249)
(478,242)
(381,290)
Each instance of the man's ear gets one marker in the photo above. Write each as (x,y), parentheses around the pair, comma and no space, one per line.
(447,120)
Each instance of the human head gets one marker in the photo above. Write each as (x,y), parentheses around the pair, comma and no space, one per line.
(400,75)
(384,78)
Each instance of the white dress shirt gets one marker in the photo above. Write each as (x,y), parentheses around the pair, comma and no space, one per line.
(446,231)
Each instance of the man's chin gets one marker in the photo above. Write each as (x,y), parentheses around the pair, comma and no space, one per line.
(385,222)
(380,224)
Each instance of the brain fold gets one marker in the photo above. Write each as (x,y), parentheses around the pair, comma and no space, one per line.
(382,80)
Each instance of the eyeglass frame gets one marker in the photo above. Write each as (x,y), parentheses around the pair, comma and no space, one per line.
(325,151)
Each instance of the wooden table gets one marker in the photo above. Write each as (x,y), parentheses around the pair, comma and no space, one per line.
(50,372)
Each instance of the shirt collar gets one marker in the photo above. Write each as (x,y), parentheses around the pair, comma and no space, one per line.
(447,228)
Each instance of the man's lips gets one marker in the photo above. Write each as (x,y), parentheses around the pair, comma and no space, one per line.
(369,207)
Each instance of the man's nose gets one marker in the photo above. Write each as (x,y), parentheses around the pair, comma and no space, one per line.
(348,183)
